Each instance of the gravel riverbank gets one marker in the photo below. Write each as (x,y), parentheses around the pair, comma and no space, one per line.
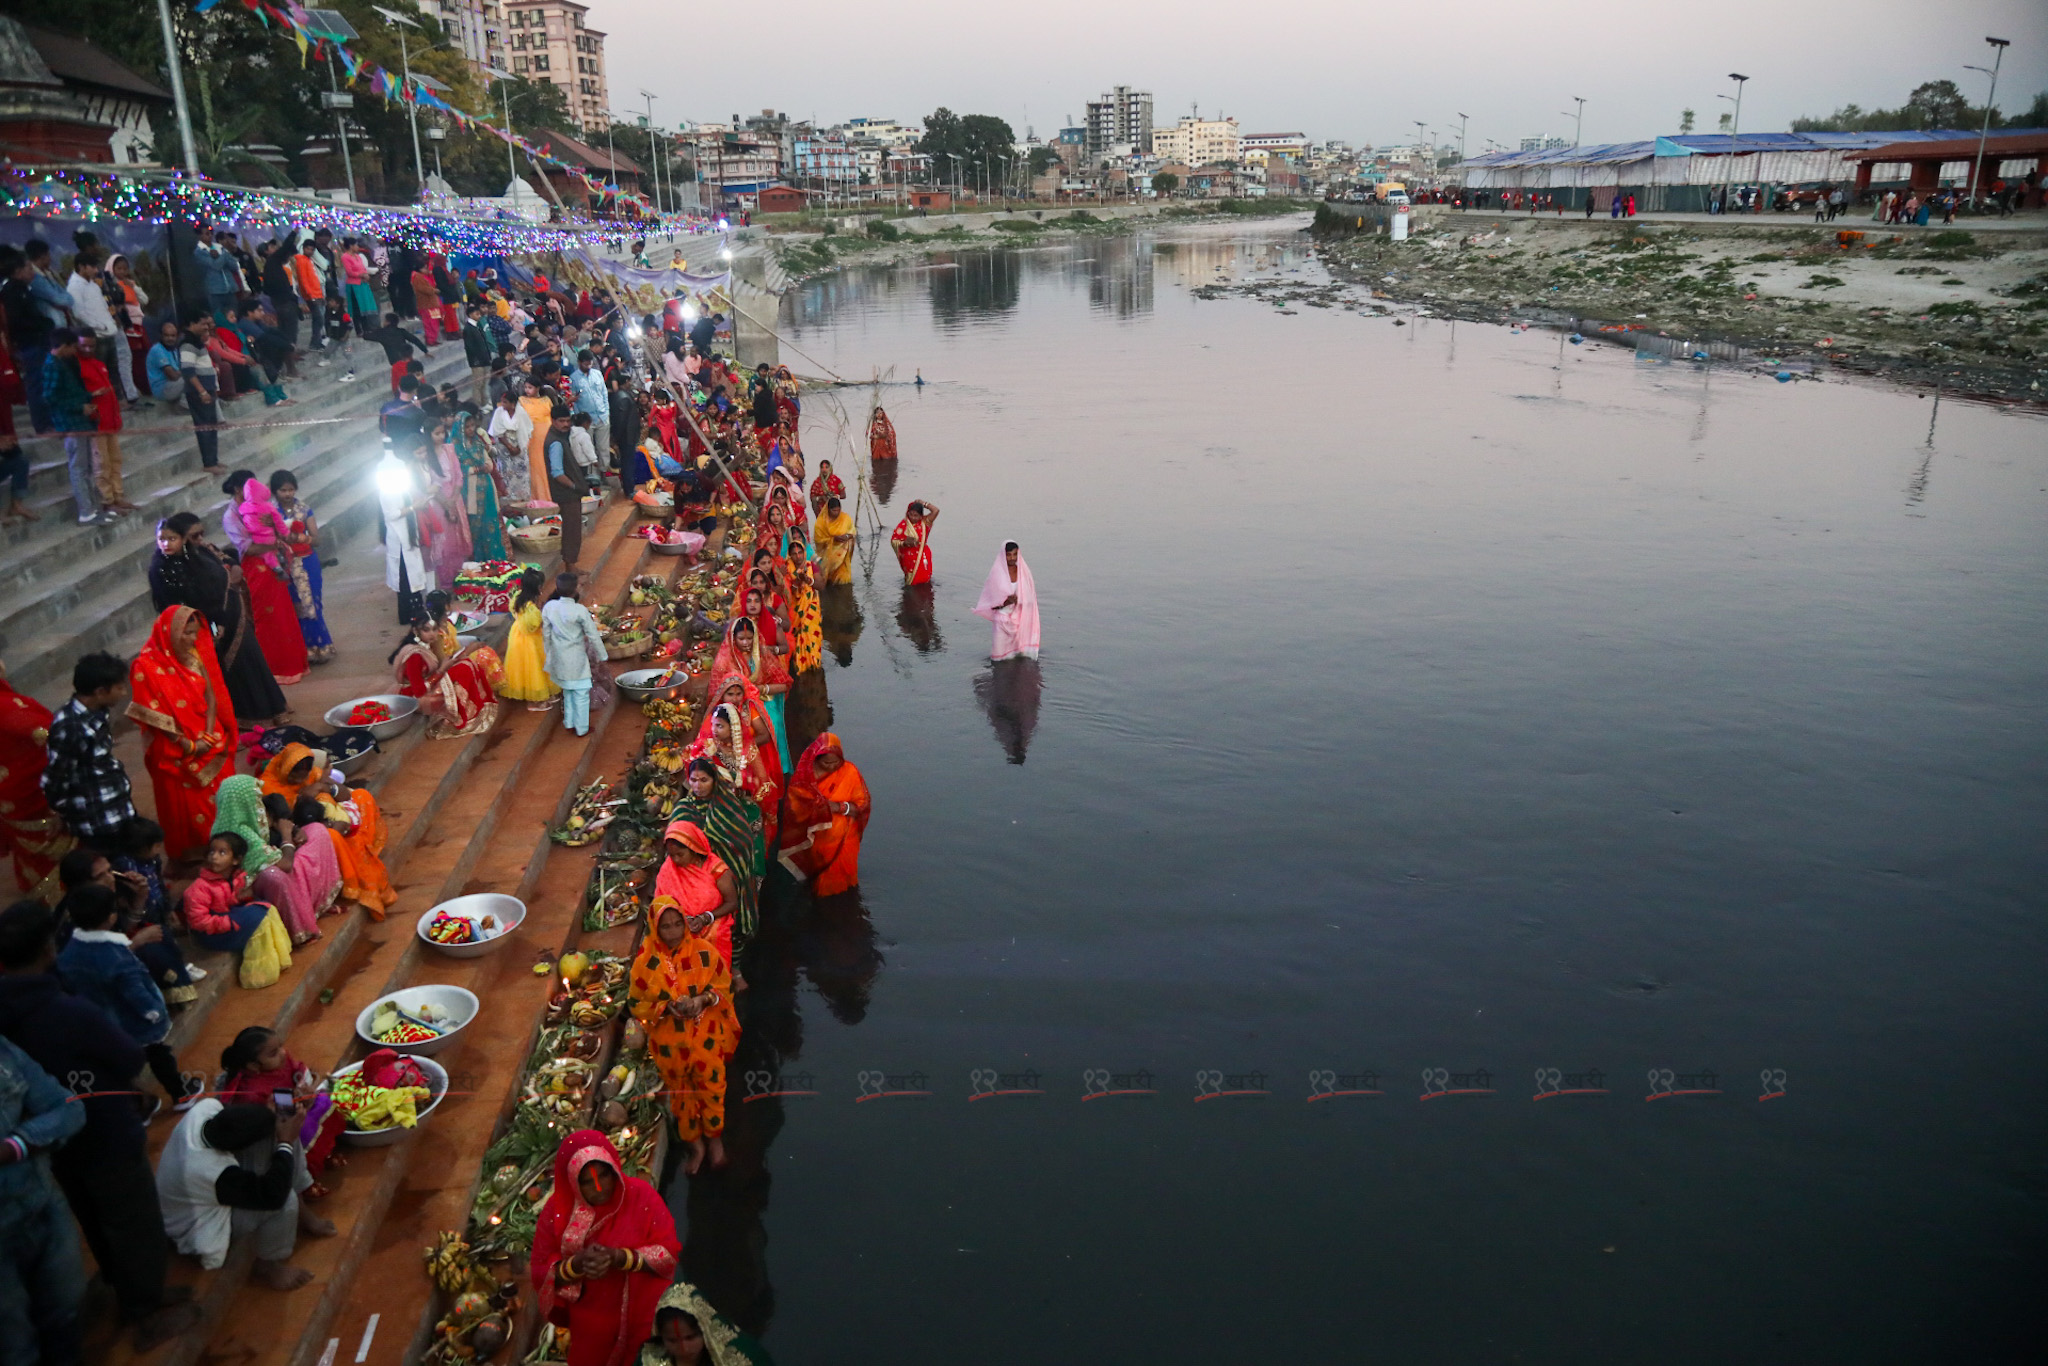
(1967,310)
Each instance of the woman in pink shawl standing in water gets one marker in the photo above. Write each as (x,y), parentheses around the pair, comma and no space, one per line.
(1010,600)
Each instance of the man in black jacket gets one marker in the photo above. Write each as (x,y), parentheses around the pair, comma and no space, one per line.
(104,1169)
(479,352)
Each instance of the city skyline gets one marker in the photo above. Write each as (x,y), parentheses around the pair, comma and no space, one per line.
(1333,72)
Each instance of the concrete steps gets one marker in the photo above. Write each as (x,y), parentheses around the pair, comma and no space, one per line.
(492,835)
(459,812)
(68,590)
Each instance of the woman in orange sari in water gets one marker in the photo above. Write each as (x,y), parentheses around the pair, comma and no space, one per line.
(352,818)
(828,812)
(177,696)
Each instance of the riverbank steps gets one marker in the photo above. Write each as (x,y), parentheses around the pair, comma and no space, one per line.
(468,815)
(1966,306)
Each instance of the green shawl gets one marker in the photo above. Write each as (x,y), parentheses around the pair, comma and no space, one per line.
(238,807)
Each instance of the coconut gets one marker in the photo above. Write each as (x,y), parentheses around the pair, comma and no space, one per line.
(487,1337)
(611,1115)
(633,1036)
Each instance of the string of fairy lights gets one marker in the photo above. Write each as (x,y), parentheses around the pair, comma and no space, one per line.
(95,196)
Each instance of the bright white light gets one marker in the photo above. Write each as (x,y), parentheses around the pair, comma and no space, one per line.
(689,312)
(393,477)
(726,252)
(633,333)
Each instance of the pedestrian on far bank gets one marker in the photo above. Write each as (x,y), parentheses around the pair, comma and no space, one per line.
(42,1280)
(1589,203)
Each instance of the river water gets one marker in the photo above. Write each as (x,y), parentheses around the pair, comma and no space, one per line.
(1422,708)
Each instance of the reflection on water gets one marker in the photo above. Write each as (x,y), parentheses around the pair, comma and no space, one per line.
(1009,692)
(883,480)
(835,943)
(842,620)
(917,618)
(1528,706)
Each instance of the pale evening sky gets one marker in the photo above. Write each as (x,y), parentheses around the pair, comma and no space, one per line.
(1337,69)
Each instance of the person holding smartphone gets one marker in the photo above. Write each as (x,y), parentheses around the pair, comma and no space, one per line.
(259,1071)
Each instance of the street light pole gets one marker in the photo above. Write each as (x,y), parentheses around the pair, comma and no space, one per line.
(1462,118)
(163,14)
(1578,119)
(1734,137)
(1998,47)
(412,104)
(653,150)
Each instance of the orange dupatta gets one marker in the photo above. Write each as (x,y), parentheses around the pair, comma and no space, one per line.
(822,843)
(364,879)
(183,703)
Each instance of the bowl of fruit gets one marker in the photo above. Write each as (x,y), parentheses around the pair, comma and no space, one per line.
(471,926)
(385,715)
(388,1132)
(418,1020)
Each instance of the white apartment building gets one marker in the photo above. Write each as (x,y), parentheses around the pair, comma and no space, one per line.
(1254,148)
(475,28)
(882,132)
(1197,141)
(547,40)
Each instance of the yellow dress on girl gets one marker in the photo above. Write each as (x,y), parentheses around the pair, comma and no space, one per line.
(526,675)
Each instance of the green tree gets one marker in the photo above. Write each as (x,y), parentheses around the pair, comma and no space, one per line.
(968,149)
(1166,182)
(1938,104)
(1685,117)
(2034,115)
(1042,160)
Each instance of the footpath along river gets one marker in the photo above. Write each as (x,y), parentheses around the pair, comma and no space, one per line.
(1414,698)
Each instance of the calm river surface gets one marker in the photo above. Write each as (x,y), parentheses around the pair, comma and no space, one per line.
(1413,698)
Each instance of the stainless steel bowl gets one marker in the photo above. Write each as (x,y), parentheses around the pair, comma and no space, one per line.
(638,684)
(404,711)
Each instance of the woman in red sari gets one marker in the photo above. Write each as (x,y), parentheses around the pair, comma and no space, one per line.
(663,417)
(261,537)
(458,692)
(177,696)
(828,812)
(911,540)
(826,485)
(744,654)
(881,437)
(604,1250)
(737,738)
(29,834)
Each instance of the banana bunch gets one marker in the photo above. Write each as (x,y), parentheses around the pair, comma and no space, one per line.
(449,1264)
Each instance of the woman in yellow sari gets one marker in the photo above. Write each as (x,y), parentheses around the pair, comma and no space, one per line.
(352,818)
(681,993)
(834,533)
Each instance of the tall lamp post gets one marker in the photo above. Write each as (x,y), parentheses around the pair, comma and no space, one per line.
(653,150)
(1734,135)
(334,25)
(412,104)
(504,79)
(1998,47)
(1578,119)
(163,14)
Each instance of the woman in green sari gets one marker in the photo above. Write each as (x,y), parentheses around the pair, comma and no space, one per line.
(479,490)
(689,1332)
(733,822)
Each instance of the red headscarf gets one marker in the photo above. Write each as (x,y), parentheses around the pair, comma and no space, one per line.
(757,666)
(184,695)
(637,1218)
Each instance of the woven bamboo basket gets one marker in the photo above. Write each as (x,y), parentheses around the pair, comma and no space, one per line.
(629,646)
(536,540)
